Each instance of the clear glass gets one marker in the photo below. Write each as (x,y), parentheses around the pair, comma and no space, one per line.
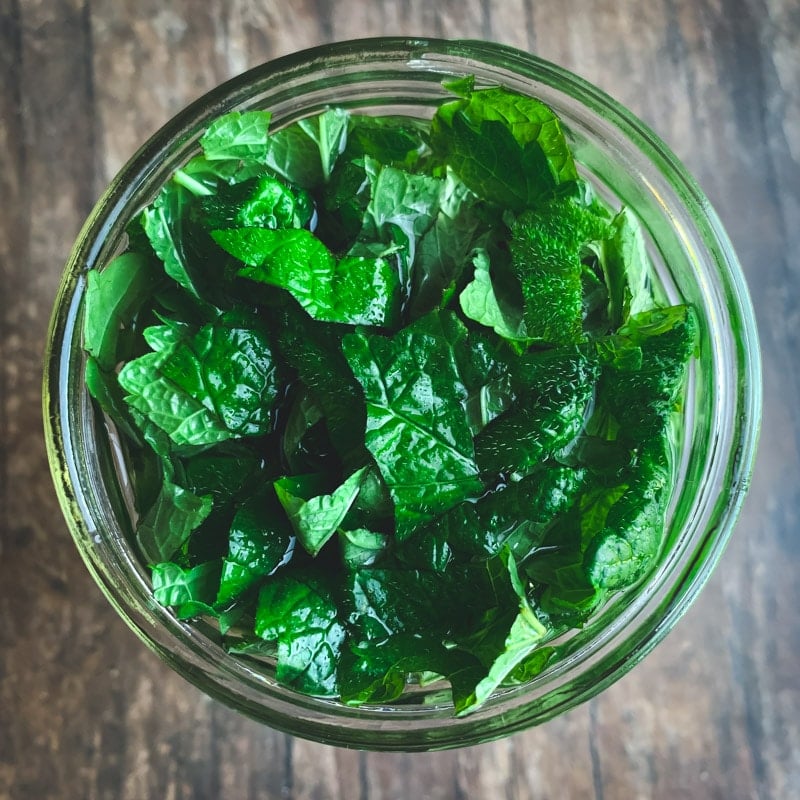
(694,261)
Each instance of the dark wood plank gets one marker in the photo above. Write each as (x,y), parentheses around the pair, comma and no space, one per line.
(86,711)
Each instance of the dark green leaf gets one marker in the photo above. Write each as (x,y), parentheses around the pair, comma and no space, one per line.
(314,351)
(557,387)
(627,268)
(316,519)
(113,296)
(642,394)
(546,254)
(175,586)
(394,141)
(356,290)
(306,151)
(361,547)
(301,615)
(444,249)
(516,516)
(237,136)
(627,547)
(201,389)
(164,223)
(479,302)
(508,148)
(260,541)
(525,635)
(262,202)
(417,429)
(169,522)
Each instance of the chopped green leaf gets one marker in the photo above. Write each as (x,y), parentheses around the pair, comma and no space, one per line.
(306,151)
(205,388)
(507,148)
(479,302)
(237,136)
(362,547)
(544,419)
(167,525)
(417,429)
(316,519)
(175,586)
(354,289)
(546,254)
(524,637)
(113,296)
(260,541)
(301,615)
(164,222)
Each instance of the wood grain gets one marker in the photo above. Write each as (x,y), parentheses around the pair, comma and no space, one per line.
(87,712)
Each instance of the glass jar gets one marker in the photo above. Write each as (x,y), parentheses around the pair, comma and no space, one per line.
(694,262)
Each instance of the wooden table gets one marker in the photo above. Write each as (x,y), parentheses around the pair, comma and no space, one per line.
(86,711)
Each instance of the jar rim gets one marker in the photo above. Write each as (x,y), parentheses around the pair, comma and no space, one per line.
(181,645)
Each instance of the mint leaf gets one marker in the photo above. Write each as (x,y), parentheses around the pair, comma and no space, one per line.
(164,222)
(166,526)
(301,615)
(516,517)
(397,622)
(546,251)
(306,151)
(185,419)
(401,208)
(626,549)
(314,352)
(479,302)
(207,387)
(105,390)
(237,136)
(395,141)
(362,547)
(508,148)
(545,418)
(444,250)
(626,268)
(417,429)
(316,519)
(175,586)
(113,296)
(356,290)
(260,541)
(642,394)
(262,202)
(304,414)
(524,638)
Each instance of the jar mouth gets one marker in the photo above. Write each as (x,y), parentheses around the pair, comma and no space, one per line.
(697,262)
